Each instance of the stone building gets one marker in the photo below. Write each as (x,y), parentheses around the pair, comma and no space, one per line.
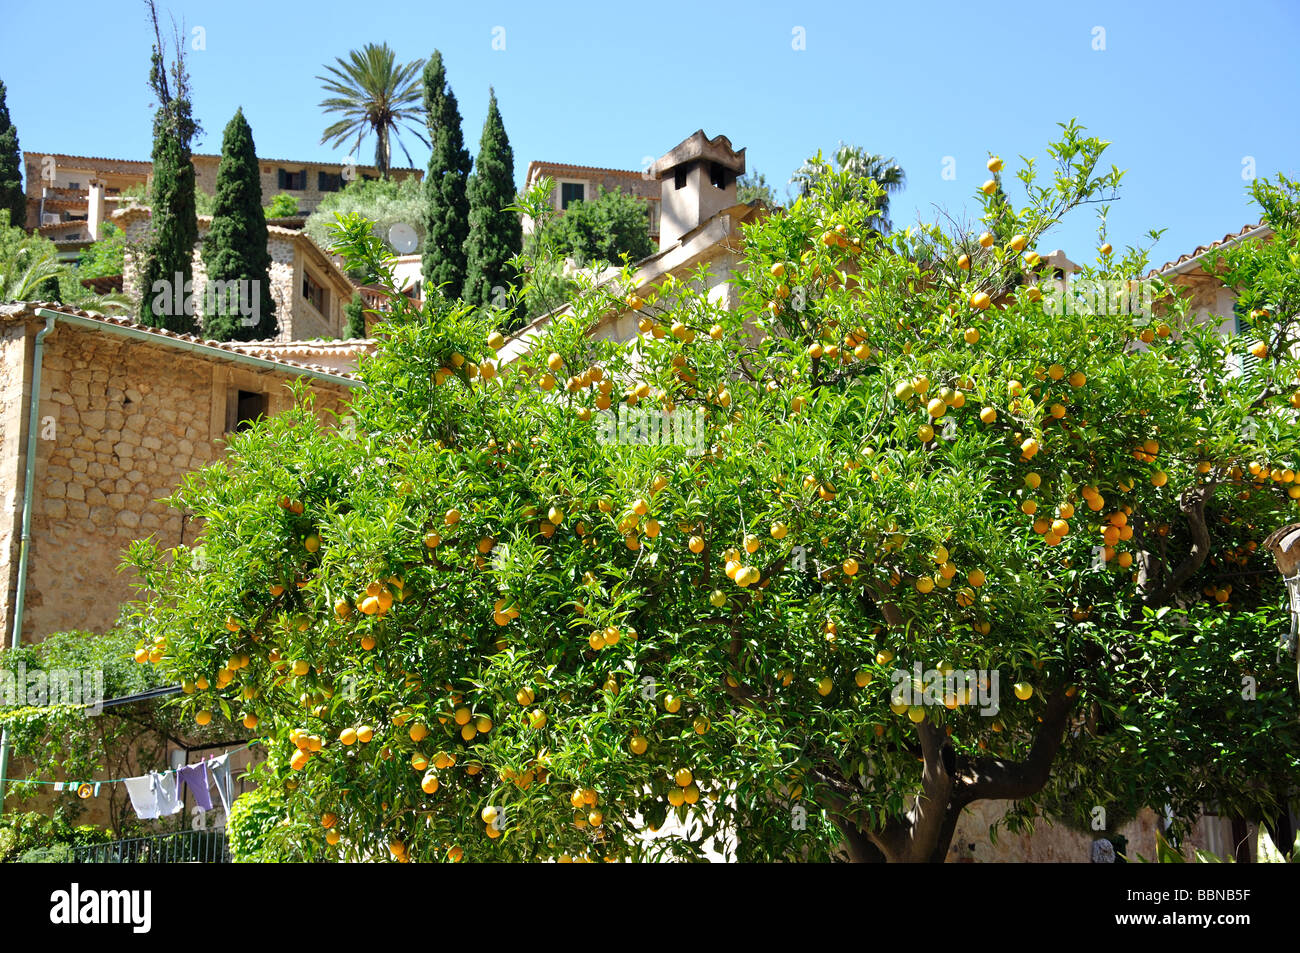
(124,413)
(582,183)
(70,197)
(308,286)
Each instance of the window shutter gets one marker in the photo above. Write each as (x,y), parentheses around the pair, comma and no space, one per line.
(1249,362)
(280,177)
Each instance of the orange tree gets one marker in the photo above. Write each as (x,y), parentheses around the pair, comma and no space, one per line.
(476,621)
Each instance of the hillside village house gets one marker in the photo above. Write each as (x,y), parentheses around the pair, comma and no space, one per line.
(308,286)
(123,413)
(70,197)
(582,183)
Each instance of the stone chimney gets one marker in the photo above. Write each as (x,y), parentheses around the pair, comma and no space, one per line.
(697,180)
(95,216)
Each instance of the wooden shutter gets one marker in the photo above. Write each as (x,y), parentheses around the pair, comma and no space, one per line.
(1249,362)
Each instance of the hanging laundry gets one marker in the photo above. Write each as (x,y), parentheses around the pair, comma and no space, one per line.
(167,792)
(195,777)
(221,779)
(143,798)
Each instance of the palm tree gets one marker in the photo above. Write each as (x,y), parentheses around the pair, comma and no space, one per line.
(374,94)
(854,166)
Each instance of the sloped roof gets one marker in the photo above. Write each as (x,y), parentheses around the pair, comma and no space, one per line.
(1227,239)
(145,165)
(585,169)
(26,310)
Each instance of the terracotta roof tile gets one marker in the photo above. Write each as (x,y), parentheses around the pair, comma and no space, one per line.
(145,165)
(567,167)
(1202,249)
(13,311)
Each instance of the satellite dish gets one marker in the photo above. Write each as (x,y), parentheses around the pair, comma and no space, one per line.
(403,238)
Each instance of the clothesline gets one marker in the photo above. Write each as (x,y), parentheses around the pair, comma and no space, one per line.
(73,784)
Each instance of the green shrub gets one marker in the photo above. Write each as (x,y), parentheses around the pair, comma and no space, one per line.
(253,819)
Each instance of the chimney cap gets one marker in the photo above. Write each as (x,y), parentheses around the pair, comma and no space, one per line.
(698,146)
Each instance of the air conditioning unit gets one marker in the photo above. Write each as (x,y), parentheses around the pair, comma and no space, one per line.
(49,218)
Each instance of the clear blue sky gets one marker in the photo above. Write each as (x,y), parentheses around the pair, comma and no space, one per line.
(1185,90)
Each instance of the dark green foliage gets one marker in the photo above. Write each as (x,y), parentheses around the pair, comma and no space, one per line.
(356,315)
(11,188)
(446,201)
(105,257)
(235,249)
(382,202)
(282,206)
(495,233)
(175,228)
(614,225)
(57,739)
(753,187)
(33,838)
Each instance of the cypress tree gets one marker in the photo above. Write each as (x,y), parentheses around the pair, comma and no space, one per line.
(446,204)
(235,250)
(169,256)
(11,189)
(495,234)
(356,314)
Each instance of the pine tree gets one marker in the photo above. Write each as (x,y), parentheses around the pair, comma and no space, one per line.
(169,257)
(495,234)
(11,189)
(235,249)
(446,221)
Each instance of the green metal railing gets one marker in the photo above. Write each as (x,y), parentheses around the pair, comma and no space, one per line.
(179,847)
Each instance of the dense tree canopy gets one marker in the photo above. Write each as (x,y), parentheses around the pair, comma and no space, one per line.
(238,305)
(607,229)
(11,184)
(495,233)
(174,226)
(480,621)
(446,199)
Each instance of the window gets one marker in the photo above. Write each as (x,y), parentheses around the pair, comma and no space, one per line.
(292,181)
(571,192)
(243,407)
(328,181)
(314,293)
(74,185)
(679,177)
(717,175)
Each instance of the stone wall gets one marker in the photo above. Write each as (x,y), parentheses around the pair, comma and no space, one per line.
(298,319)
(127,421)
(14,385)
(205,169)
